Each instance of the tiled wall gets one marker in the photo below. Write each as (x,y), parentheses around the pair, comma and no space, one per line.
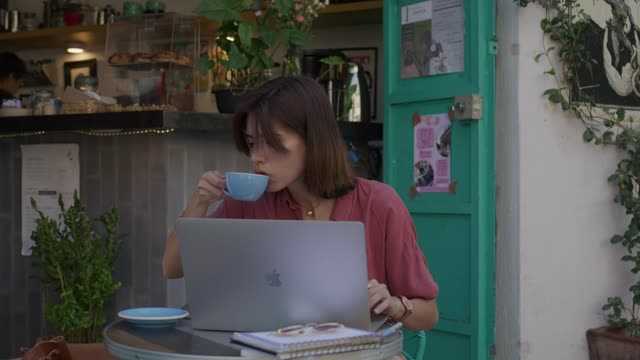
(148,178)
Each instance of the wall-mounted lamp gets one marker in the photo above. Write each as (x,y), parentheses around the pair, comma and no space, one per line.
(75,48)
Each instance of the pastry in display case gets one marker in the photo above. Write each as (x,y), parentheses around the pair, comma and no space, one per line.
(150,62)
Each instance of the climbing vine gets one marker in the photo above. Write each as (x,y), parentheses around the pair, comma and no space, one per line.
(564,27)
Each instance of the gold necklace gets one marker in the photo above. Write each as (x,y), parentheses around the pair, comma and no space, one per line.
(311,212)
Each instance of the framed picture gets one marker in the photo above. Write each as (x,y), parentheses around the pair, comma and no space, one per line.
(75,68)
(368,57)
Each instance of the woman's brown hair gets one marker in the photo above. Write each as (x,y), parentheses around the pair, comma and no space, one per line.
(301,105)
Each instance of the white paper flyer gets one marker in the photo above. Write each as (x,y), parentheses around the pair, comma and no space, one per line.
(48,170)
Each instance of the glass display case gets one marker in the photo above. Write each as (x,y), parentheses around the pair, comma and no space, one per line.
(150,62)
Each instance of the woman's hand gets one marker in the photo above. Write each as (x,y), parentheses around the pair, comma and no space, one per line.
(209,189)
(381,302)
(425,312)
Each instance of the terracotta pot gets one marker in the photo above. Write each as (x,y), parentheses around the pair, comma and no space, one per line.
(95,351)
(50,348)
(611,343)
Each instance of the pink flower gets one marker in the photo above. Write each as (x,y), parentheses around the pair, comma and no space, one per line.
(299,18)
(297,6)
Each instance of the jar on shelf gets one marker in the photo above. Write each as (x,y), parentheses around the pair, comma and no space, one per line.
(44,103)
(29,22)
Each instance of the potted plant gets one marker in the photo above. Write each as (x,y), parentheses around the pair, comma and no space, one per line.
(76,266)
(249,35)
(621,340)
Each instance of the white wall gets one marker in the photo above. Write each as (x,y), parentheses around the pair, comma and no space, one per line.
(566,215)
(507,162)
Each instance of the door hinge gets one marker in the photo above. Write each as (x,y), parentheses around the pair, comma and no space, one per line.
(492,350)
(492,47)
(466,107)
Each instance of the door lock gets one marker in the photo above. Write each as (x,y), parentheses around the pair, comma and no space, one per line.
(467,107)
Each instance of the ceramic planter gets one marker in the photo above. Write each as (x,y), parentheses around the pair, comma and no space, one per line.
(228,100)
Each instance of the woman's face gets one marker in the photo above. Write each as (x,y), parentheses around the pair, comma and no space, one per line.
(283,169)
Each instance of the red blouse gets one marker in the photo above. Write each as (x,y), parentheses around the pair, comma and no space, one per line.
(393,255)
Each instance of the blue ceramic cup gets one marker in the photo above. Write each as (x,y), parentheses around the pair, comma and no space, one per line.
(245,186)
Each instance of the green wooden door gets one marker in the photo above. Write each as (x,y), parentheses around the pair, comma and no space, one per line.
(456,228)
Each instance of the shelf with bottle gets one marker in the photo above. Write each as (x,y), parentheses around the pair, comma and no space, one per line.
(342,14)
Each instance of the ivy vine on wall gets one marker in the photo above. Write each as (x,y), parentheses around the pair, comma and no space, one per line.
(564,27)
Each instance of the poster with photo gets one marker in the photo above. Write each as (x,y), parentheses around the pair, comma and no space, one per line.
(431,153)
(432,38)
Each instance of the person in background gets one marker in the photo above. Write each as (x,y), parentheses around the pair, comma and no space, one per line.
(12,70)
(288,130)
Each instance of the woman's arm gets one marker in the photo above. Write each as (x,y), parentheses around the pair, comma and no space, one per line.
(209,190)
(405,269)
(171,260)
(424,313)
(424,317)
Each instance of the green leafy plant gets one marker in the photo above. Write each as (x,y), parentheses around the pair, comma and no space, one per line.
(565,24)
(76,269)
(245,44)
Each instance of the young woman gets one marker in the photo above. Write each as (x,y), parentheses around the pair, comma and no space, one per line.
(288,130)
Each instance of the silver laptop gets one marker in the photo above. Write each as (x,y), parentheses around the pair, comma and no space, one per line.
(256,275)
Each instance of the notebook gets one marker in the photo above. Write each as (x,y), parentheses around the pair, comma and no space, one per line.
(260,275)
(287,347)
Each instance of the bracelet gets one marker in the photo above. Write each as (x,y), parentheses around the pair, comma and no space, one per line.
(408,308)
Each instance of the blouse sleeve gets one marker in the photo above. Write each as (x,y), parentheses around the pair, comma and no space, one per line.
(228,209)
(406,266)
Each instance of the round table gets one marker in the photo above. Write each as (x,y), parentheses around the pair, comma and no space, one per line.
(126,341)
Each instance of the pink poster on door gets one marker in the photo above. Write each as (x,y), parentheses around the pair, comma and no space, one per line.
(431,153)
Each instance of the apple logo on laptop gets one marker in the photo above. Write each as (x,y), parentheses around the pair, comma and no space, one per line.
(273,278)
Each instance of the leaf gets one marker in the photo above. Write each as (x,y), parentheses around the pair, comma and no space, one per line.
(268,35)
(565,106)
(204,64)
(616,239)
(556,97)
(237,60)
(627,258)
(245,33)
(266,61)
(551,71)
(222,10)
(551,91)
(284,6)
(544,25)
(537,58)
(298,38)
(333,60)
(587,135)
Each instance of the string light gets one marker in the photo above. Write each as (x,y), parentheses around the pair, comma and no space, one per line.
(19,134)
(127,133)
(93,133)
